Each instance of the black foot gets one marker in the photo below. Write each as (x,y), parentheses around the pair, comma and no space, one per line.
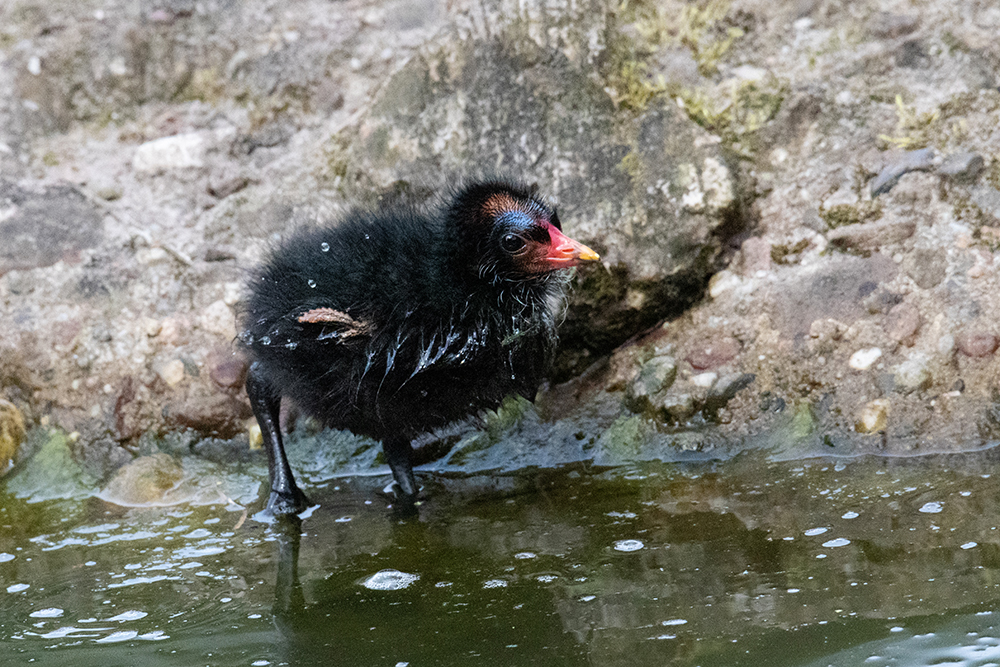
(399,456)
(284,504)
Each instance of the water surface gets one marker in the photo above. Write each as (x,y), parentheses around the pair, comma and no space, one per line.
(748,562)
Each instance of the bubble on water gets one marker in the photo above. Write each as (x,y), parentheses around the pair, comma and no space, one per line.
(524,555)
(816,531)
(932,508)
(628,545)
(367,238)
(291,345)
(546,578)
(51,612)
(389,580)
(126,635)
(324,246)
(495,583)
(265,340)
(839,542)
(130,615)
(311,283)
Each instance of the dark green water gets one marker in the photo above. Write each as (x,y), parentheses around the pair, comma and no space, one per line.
(856,562)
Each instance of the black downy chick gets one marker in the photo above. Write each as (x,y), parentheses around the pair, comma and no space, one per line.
(396,322)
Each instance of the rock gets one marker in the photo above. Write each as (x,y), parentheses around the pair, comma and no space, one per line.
(863,359)
(977,343)
(11,434)
(655,376)
(704,380)
(218,318)
(962,167)
(714,354)
(725,390)
(756,256)
(41,227)
(182,151)
(887,25)
(833,290)
(218,415)
(918,160)
(902,323)
(223,185)
(871,236)
(874,416)
(675,407)
(171,372)
(913,374)
(722,282)
(51,473)
(144,481)
(228,371)
(824,334)
(926,266)
(220,254)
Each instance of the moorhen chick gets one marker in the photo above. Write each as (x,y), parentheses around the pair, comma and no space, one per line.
(395,322)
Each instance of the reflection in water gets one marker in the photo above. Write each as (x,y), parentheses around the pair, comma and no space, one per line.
(449,612)
(743,563)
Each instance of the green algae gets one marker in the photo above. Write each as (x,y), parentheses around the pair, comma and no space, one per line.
(51,474)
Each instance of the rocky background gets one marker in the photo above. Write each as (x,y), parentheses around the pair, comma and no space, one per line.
(797,206)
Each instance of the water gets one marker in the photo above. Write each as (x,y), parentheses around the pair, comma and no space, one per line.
(823,562)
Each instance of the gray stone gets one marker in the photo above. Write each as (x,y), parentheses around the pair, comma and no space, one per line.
(927,266)
(655,377)
(42,227)
(836,289)
(962,167)
(871,235)
(887,25)
(987,198)
(725,390)
(902,323)
(913,374)
(676,407)
(918,160)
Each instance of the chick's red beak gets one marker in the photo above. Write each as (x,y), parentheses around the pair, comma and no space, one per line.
(563,252)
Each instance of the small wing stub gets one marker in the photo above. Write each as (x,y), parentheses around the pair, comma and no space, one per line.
(343,325)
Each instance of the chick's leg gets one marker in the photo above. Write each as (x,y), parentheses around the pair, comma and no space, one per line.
(399,456)
(286,498)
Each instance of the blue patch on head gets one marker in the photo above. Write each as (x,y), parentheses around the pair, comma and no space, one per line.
(515,220)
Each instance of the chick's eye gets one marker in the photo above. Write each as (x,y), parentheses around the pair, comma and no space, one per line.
(512,243)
